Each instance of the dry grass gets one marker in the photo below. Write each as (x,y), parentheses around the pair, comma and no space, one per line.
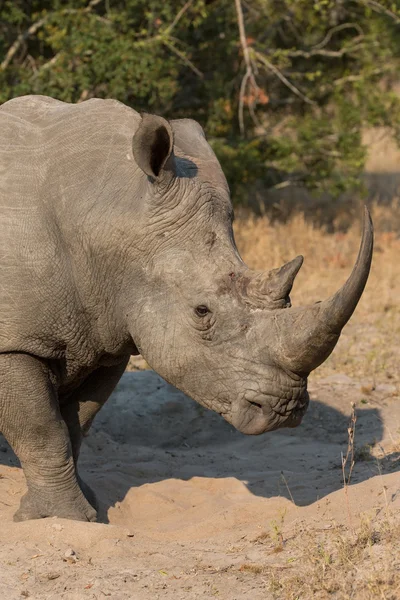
(348,460)
(339,564)
(335,563)
(370,343)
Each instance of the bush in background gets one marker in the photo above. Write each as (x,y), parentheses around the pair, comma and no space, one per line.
(284,103)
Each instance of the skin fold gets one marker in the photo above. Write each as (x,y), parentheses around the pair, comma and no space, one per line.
(116,239)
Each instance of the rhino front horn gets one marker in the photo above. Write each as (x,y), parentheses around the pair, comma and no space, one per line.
(309,334)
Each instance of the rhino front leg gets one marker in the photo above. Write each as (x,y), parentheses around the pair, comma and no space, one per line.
(79,410)
(31,422)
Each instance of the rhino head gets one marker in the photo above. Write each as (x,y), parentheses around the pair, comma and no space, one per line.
(225,335)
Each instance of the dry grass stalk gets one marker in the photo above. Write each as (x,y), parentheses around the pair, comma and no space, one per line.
(287,487)
(348,460)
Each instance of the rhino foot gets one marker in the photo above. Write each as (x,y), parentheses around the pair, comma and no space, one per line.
(89,494)
(34,506)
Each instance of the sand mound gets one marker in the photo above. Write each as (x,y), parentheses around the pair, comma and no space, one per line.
(186,499)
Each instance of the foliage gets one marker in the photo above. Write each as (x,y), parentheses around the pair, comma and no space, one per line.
(320,70)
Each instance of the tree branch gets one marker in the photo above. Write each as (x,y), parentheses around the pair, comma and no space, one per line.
(13,49)
(48,64)
(350,78)
(327,53)
(249,74)
(184,58)
(281,76)
(377,6)
(242,92)
(336,29)
(91,5)
(178,17)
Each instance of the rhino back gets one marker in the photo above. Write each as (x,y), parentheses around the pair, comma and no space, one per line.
(56,161)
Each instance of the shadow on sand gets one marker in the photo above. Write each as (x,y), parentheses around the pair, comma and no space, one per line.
(149,432)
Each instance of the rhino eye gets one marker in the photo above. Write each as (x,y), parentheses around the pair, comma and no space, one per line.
(201,311)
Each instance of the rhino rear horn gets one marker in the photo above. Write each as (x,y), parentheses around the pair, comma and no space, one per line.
(272,288)
(152,146)
(279,282)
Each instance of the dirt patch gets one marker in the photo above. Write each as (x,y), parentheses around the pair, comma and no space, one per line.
(191,508)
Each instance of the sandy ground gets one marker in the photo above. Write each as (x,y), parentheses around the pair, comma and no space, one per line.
(191,509)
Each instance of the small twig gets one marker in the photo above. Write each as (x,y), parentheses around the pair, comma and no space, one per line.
(182,57)
(377,6)
(326,53)
(84,96)
(251,8)
(281,76)
(48,64)
(13,49)
(92,4)
(378,464)
(287,487)
(165,38)
(350,78)
(178,17)
(29,59)
(336,29)
(351,431)
(256,120)
(283,184)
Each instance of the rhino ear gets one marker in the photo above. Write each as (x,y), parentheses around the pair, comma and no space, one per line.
(152,146)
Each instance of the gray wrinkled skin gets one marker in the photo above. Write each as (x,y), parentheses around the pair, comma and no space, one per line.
(116,238)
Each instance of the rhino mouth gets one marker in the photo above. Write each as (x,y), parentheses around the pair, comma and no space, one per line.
(260,414)
(295,417)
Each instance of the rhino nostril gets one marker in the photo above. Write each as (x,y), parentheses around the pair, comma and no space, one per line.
(255,404)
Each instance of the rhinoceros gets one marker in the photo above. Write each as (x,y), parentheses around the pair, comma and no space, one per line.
(116,239)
